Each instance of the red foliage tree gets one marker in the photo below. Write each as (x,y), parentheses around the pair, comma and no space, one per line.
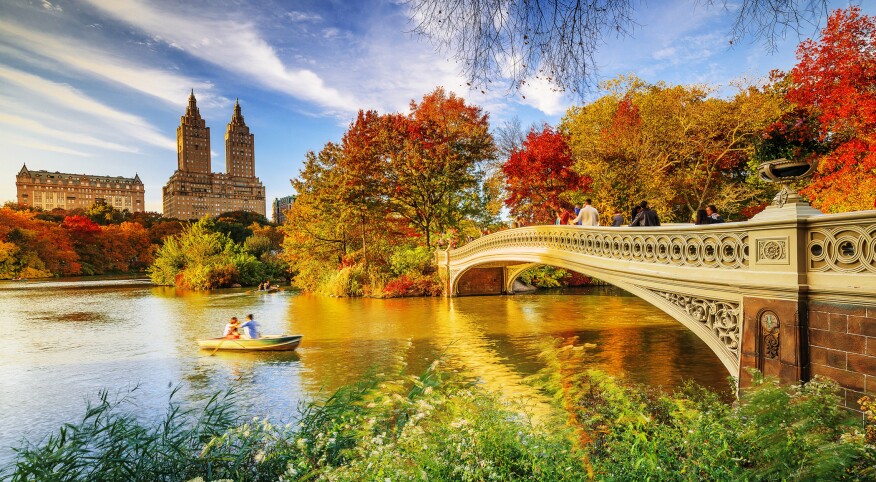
(539,175)
(835,78)
(40,246)
(86,237)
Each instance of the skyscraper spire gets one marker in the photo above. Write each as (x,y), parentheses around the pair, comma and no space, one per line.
(237,117)
(192,109)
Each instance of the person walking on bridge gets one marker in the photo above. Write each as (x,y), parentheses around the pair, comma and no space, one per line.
(588,216)
(646,217)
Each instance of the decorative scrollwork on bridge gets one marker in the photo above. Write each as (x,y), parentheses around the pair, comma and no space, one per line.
(848,248)
(722,318)
(707,248)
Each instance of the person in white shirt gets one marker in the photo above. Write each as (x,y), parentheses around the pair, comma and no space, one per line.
(588,216)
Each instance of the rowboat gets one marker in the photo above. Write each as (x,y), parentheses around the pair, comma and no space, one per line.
(264,343)
(261,292)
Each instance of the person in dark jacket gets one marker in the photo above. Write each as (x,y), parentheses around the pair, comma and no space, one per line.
(646,217)
(714,217)
(617,219)
(702,217)
(635,212)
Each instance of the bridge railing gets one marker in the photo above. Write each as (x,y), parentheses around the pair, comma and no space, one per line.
(720,246)
(842,243)
(831,251)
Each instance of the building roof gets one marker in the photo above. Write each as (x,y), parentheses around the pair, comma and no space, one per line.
(64,175)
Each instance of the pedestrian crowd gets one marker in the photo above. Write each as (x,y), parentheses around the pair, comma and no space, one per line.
(641,215)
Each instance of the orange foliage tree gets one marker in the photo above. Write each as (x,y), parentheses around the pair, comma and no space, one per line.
(835,78)
(33,248)
(539,175)
(435,161)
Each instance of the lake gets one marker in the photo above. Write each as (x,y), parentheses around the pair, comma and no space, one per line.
(68,339)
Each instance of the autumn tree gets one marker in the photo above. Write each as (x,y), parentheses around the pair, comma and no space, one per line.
(164,228)
(104,214)
(539,176)
(434,162)
(361,170)
(125,247)
(317,239)
(678,147)
(236,224)
(33,248)
(86,237)
(835,80)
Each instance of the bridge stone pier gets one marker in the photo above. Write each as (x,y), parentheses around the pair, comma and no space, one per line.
(792,292)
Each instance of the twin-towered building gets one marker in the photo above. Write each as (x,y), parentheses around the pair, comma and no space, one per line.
(192,192)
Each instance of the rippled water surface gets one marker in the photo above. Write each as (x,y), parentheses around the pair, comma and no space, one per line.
(67,340)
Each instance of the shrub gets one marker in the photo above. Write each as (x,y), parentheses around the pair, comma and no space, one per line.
(773,432)
(413,285)
(200,259)
(347,281)
(442,426)
(543,276)
(412,261)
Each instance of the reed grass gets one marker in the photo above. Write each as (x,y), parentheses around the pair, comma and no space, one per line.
(439,425)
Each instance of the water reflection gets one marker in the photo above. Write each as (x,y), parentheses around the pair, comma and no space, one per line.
(75,338)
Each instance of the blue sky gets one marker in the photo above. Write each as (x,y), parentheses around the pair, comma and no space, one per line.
(98,86)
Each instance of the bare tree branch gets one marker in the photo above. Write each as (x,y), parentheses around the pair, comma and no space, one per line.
(556,40)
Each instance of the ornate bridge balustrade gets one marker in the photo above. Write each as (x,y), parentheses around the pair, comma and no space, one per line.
(791,292)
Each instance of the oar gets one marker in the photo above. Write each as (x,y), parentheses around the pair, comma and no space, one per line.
(218,346)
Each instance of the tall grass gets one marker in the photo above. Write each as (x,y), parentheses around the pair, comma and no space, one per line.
(110,444)
(439,425)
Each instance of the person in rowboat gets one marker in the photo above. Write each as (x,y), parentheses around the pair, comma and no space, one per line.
(232,329)
(250,327)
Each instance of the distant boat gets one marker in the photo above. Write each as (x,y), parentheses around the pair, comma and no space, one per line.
(261,292)
(264,343)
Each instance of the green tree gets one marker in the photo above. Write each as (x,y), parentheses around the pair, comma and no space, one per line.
(202,258)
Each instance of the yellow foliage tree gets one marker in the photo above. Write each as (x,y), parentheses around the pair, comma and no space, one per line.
(679,147)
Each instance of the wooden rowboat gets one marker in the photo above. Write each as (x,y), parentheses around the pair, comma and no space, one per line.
(265,343)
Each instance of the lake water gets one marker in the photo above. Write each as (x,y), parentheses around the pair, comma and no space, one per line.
(66,340)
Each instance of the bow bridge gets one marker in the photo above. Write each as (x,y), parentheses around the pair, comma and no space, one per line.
(791,292)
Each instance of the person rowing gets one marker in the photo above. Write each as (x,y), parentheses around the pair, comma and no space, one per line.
(250,327)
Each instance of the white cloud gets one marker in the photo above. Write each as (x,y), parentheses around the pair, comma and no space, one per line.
(330,33)
(164,85)
(665,53)
(30,143)
(232,44)
(37,127)
(540,94)
(47,5)
(297,16)
(67,97)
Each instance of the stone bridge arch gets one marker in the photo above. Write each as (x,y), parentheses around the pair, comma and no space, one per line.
(714,317)
(791,292)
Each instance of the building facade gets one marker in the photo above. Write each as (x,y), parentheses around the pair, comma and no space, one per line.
(193,190)
(279,207)
(50,190)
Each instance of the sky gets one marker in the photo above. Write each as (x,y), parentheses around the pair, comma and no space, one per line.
(98,86)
